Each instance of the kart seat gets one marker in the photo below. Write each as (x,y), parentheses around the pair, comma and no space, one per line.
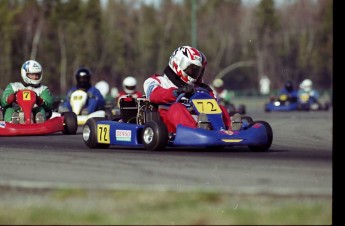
(128,109)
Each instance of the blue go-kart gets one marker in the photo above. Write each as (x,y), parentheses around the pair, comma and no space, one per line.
(139,125)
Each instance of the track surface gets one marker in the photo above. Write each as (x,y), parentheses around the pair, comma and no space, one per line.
(298,162)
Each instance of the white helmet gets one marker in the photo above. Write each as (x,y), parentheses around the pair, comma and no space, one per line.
(306,85)
(129,84)
(187,63)
(31,67)
(217,83)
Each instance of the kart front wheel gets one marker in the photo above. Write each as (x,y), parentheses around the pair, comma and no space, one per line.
(269,133)
(155,135)
(70,123)
(90,133)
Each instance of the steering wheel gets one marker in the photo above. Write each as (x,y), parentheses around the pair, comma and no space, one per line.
(198,89)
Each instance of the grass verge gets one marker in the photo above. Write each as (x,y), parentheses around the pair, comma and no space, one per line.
(129,207)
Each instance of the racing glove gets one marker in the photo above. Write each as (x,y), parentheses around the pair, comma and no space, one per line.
(39,101)
(11,98)
(205,86)
(188,90)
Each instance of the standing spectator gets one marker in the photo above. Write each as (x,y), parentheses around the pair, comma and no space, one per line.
(265,84)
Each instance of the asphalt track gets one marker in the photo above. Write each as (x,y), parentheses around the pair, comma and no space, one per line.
(298,162)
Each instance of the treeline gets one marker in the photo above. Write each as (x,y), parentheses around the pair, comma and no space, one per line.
(117,38)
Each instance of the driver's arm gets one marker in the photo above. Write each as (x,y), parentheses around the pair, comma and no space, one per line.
(8,96)
(156,93)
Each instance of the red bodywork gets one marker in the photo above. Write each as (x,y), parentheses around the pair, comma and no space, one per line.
(26,99)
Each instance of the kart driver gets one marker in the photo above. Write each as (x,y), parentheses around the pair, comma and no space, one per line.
(129,86)
(183,74)
(223,94)
(306,86)
(95,100)
(32,74)
(289,91)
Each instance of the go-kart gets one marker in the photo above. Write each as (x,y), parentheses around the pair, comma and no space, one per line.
(140,125)
(303,102)
(307,102)
(281,103)
(26,124)
(232,109)
(78,102)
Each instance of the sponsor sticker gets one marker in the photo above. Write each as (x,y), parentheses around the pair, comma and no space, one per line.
(123,135)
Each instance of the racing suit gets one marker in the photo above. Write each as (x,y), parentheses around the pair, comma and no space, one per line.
(292,95)
(44,101)
(95,100)
(161,90)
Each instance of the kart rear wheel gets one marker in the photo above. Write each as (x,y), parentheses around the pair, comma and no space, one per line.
(108,114)
(90,133)
(231,109)
(326,106)
(265,147)
(241,109)
(266,108)
(246,121)
(247,118)
(155,135)
(70,123)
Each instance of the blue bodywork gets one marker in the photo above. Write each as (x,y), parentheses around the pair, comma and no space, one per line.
(304,102)
(278,106)
(127,134)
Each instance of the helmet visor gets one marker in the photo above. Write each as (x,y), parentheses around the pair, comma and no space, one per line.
(84,81)
(34,76)
(193,71)
(130,87)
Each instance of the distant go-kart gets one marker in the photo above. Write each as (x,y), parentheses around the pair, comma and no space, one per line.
(303,102)
(281,103)
(78,102)
(232,109)
(26,99)
(307,102)
(140,125)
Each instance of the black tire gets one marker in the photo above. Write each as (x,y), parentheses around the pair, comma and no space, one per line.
(70,123)
(155,135)
(90,133)
(109,114)
(247,118)
(242,109)
(231,109)
(326,106)
(263,148)
(266,108)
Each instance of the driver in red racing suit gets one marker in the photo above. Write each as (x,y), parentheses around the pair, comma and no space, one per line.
(182,75)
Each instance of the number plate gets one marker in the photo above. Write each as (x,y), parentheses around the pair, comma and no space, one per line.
(103,135)
(207,106)
(26,95)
